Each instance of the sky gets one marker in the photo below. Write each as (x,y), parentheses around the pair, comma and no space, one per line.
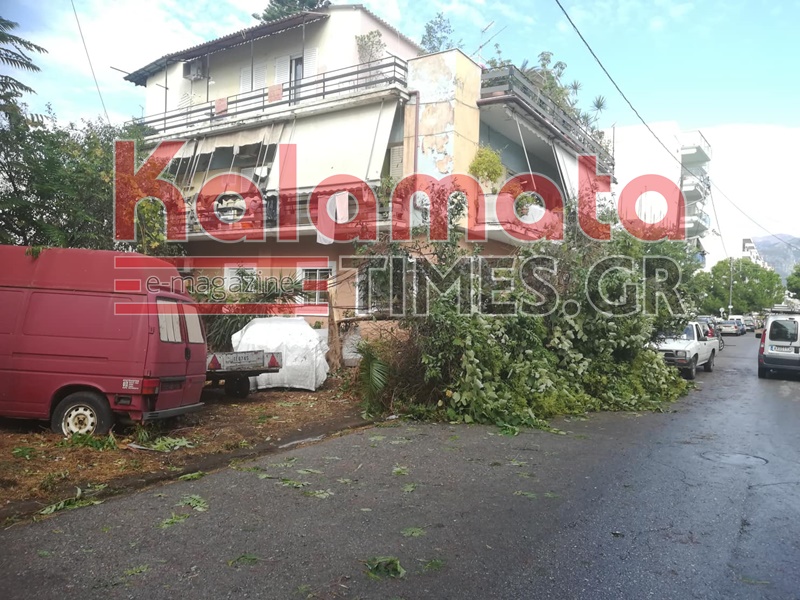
(722,66)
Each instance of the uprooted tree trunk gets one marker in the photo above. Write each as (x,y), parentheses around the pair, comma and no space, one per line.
(334,356)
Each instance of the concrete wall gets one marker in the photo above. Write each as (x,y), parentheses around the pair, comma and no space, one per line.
(334,39)
(445,138)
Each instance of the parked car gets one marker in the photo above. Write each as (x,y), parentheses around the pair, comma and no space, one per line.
(729,328)
(740,320)
(780,348)
(688,350)
(83,341)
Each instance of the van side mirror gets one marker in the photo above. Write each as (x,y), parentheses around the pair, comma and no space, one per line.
(758,334)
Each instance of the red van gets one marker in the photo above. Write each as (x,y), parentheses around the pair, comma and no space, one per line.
(87,336)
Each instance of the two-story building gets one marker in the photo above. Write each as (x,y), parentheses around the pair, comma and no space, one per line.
(356,97)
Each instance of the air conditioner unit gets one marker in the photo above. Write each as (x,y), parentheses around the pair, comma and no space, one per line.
(195,69)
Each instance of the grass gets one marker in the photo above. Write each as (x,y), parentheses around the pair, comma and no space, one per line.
(173,520)
(379,567)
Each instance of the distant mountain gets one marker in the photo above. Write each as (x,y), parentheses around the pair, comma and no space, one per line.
(778,255)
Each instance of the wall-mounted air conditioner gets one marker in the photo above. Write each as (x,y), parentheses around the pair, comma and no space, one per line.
(195,69)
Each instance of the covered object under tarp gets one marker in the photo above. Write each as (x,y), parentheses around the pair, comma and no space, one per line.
(303,350)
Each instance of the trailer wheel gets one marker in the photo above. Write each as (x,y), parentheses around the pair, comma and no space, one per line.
(84,413)
(238,386)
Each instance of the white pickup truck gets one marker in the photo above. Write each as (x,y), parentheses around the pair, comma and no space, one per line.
(689,350)
(236,368)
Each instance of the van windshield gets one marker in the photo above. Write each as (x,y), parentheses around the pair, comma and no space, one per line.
(783,330)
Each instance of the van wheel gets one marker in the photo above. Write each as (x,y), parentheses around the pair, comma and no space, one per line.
(238,387)
(709,366)
(82,412)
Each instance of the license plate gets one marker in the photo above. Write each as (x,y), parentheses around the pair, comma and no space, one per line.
(786,349)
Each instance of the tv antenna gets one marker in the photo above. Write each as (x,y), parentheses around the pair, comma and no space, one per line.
(483,43)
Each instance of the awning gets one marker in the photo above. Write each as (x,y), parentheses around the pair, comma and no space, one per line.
(241,138)
(348,142)
(567,162)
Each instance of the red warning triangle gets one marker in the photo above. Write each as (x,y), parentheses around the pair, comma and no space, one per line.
(273,362)
(214,365)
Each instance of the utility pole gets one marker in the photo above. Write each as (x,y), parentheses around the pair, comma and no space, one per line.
(730,297)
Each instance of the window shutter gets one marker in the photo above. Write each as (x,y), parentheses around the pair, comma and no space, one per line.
(259,76)
(244,80)
(282,69)
(310,62)
(396,162)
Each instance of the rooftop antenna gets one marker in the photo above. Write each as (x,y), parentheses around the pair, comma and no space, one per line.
(483,44)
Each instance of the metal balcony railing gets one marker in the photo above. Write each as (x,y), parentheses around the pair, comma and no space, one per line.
(692,139)
(298,208)
(365,77)
(510,81)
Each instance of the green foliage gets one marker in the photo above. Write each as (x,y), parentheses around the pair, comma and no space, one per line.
(380,567)
(277,9)
(793,281)
(486,166)
(520,370)
(754,287)
(13,54)
(23,452)
(194,502)
(438,35)
(87,440)
(373,374)
(233,315)
(370,46)
(168,444)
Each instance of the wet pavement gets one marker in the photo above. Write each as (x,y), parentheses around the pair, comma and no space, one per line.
(699,502)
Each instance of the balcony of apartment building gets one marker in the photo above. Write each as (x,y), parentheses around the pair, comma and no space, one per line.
(695,149)
(508,94)
(697,221)
(695,184)
(348,87)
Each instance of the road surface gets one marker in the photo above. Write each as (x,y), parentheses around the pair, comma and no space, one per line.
(699,502)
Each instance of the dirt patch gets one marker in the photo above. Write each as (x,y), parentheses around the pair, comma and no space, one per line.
(39,468)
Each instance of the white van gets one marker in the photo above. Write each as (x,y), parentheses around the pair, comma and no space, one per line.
(780,344)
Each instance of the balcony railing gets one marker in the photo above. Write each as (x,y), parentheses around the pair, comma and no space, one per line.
(298,208)
(330,85)
(510,81)
(695,139)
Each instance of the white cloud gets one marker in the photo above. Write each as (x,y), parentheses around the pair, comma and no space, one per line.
(657,23)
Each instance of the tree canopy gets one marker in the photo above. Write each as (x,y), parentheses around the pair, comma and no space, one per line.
(754,287)
(278,9)
(13,51)
(438,35)
(793,281)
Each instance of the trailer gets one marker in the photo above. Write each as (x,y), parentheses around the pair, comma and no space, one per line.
(236,369)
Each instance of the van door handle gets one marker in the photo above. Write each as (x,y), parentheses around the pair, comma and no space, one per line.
(187,353)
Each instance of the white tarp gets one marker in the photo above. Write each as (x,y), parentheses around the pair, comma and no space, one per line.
(304,364)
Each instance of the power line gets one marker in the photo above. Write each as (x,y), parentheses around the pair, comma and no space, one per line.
(639,116)
(89,58)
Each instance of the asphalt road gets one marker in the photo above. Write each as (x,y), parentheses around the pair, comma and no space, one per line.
(701,502)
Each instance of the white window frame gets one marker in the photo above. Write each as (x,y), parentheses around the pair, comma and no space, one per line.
(301,299)
(230,270)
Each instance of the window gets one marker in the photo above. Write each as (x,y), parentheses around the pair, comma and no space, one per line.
(194,331)
(315,285)
(239,278)
(169,321)
(783,330)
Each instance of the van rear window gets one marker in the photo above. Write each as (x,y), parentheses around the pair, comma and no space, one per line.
(193,329)
(169,321)
(783,330)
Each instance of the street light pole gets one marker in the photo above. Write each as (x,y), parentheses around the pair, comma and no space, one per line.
(730,297)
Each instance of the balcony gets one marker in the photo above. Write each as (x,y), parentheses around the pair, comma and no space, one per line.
(231,210)
(510,84)
(695,184)
(342,84)
(697,223)
(695,149)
